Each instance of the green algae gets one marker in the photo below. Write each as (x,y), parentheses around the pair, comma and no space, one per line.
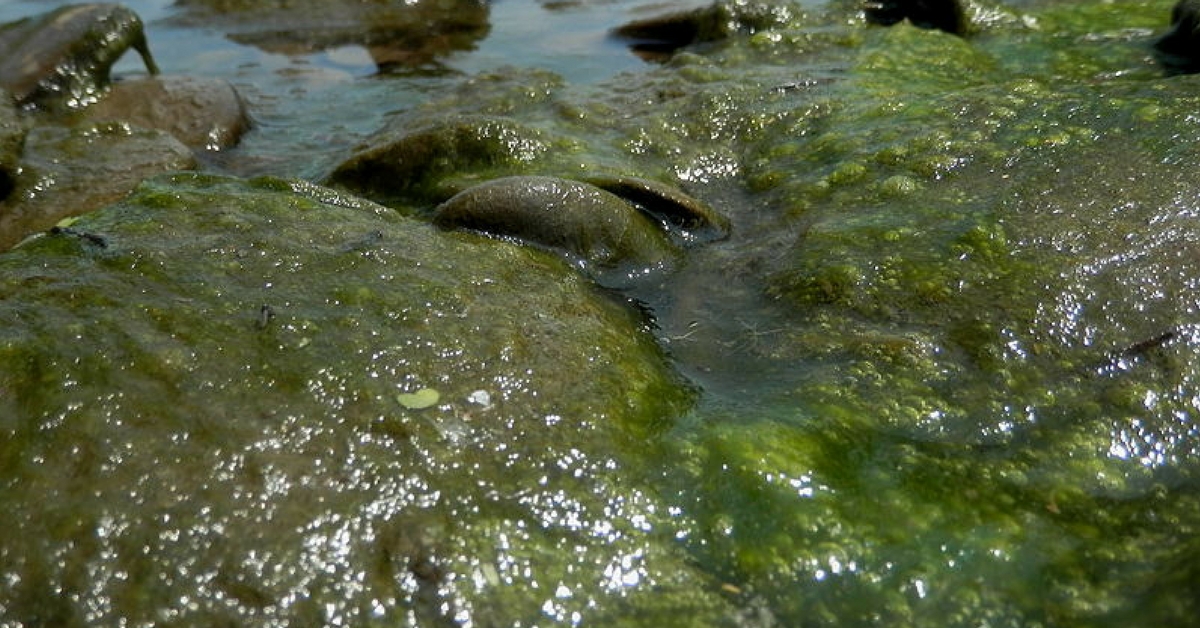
(432,162)
(985,312)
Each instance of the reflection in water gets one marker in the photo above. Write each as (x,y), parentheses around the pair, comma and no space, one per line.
(399,35)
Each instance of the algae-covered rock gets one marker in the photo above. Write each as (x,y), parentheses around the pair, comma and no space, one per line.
(266,402)
(70,171)
(970,257)
(61,59)
(977,402)
(946,354)
(428,161)
(949,350)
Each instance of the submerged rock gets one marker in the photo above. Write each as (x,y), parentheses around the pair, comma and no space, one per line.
(62,59)
(397,35)
(267,401)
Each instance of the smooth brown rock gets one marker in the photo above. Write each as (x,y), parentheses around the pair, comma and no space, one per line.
(204,114)
(614,240)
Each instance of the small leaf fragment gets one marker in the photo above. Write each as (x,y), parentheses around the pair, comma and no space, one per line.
(423,398)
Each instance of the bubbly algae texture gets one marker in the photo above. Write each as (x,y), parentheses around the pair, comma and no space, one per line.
(982,344)
(946,360)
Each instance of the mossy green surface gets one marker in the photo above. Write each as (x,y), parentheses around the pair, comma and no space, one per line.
(975,270)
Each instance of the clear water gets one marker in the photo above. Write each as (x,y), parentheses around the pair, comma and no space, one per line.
(309,108)
(570,38)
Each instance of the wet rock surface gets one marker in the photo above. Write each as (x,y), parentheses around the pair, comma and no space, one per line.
(204,114)
(82,142)
(67,172)
(614,240)
(940,364)
(62,59)
(281,475)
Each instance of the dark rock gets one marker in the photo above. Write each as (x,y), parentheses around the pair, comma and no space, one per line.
(944,15)
(595,226)
(658,37)
(12,137)
(684,216)
(1179,48)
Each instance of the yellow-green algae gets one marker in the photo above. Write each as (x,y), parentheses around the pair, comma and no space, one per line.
(985,328)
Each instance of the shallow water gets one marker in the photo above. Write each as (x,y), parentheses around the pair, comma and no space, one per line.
(310,108)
